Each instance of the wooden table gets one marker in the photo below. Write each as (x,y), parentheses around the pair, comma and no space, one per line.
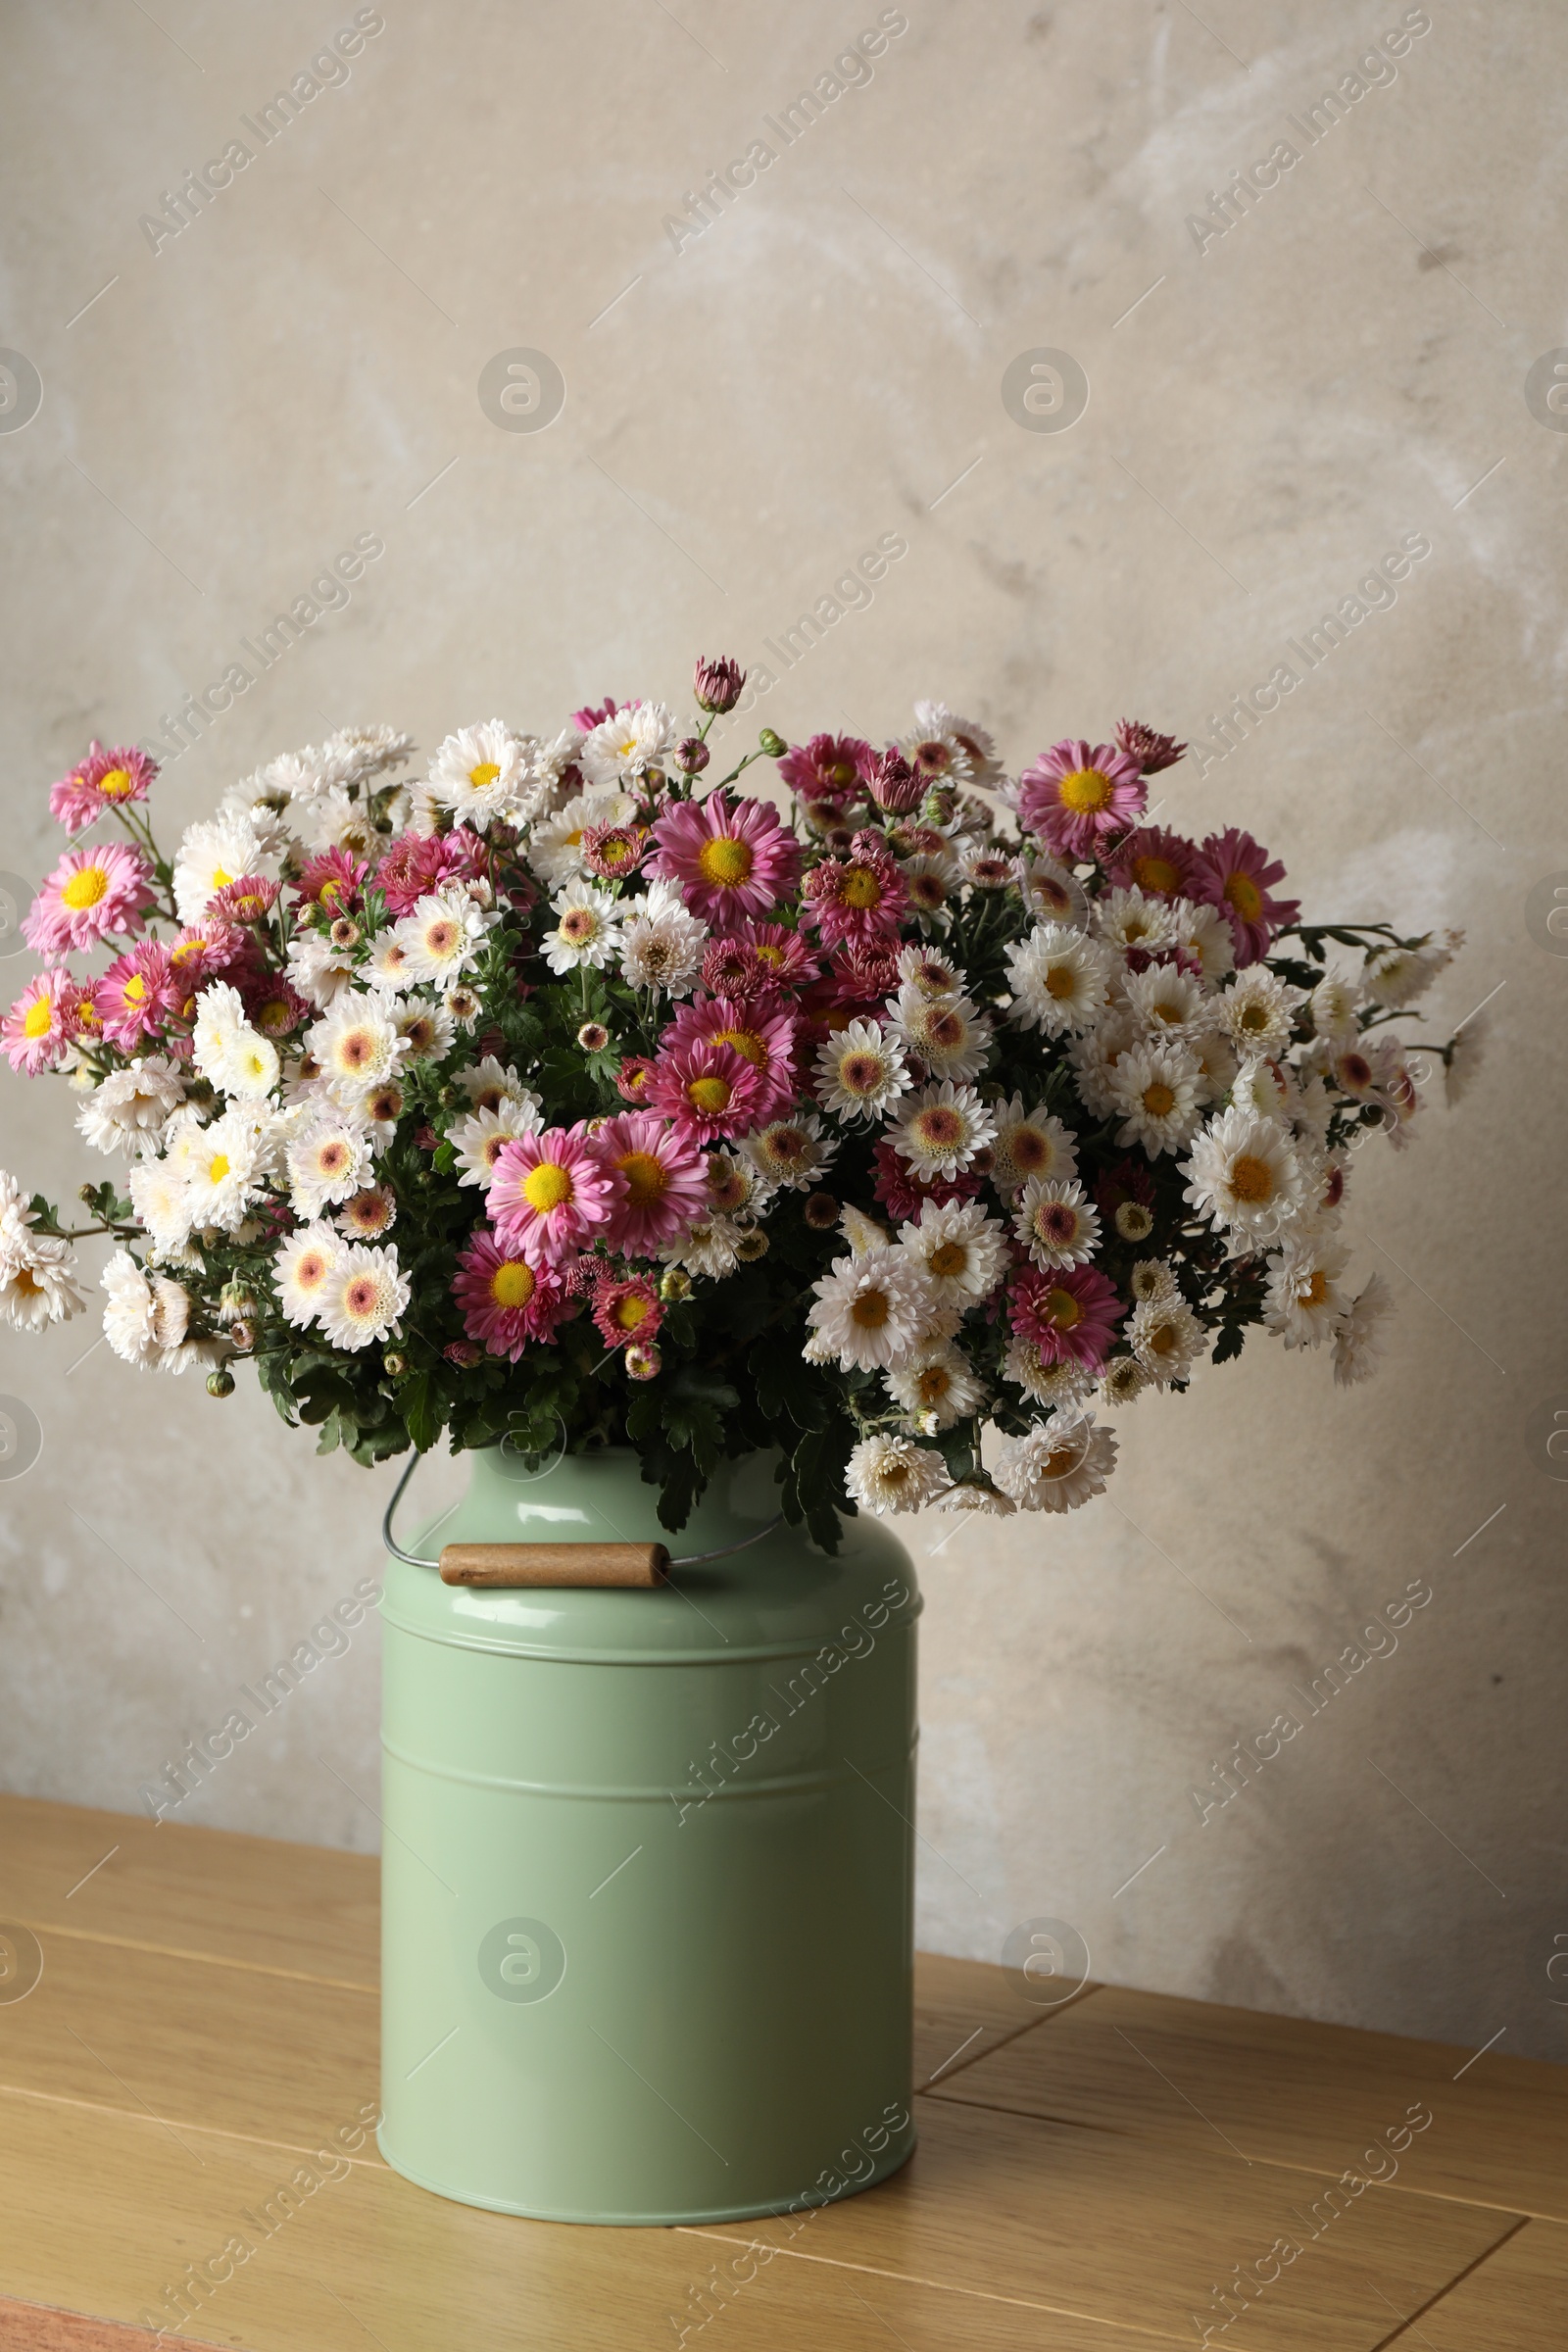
(1113,2174)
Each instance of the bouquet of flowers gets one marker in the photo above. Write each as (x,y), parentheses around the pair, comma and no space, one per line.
(563,1096)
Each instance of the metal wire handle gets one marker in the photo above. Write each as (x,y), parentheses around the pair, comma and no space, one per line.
(692,1559)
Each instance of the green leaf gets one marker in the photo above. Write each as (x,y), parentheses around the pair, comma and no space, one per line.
(421,1413)
(1230,1343)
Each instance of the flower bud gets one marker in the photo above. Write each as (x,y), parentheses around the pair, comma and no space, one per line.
(394,1364)
(220,1383)
(691,756)
(894,783)
(593,1036)
(242,1336)
(643,1363)
(774,746)
(674,1283)
(752,1246)
(717,684)
(345,933)
(1133,1222)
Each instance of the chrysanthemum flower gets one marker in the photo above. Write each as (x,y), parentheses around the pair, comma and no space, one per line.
(1257,1012)
(129,1110)
(479,1138)
(1067,1311)
(936,1386)
(136,993)
(1155,860)
(709,1090)
(628,1312)
(635,1077)
(1152,752)
(1156,1090)
(860,1071)
(327,1157)
(335,880)
(1029,1142)
(1059,980)
(764,1033)
(836,768)
(624,745)
(1303,1302)
(416,865)
(1054,892)
(39,1281)
(1202,940)
(855,901)
(587,930)
(1359,1343)
(662,944)
(91,894)
(1075,796)
(1123,1380)
(552,1193)
(958,1248)
(32,1032)
(366,1215)
(1055,1223)
(442,936)
(1134,922)
(211,855)
(104,780)
(1058,1383)
(871,1309)
(785,957)
(506,1300)
(789,1155)
(1244,1175)
(1166,1337)
(1168,1004)
(887,1473)
(221,1166)
(733,858)
(1234,873)
(363,1297)
(665,1183)
(357,1046)
(904,1191)
(950,1035)
(480,772)
(942,1129)
(305,1262)
(1058,1466)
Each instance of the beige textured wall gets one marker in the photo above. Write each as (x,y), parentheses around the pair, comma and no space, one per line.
(743,416)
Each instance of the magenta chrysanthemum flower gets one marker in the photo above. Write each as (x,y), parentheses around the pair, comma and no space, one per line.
(199,951)
(81,1012)
(785,957)
(336,878)
(32,1032)
(1067,1311)
(1153,860)
(709,1090)
(1235,873)
(858,899)
(1074,796)
(763,1032)
(663,1178)
(417,864)
(904,1197)
(137,994)
(733,858)
(634,1078)
(91,894)
(1153,750)
(250,899)
(594,716)
(505,1301)
(629,1310)
(103,780)
(830,768)
(552,1193)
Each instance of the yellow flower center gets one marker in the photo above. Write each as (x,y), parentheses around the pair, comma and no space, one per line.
(1084,791)
(134,989)
(1245,896)
(746,1042)
(947,1259)
(631,1313)
(115,783)
(770,955)
(39,1014)
(1316,1291)
(871,1311)
(86,888)
(1254,1017)
(512,1285)
(1059,1462)
(216,1167)
(861,888)
(1062,1309)
(1251,1178)
(484,776)
(547,1187)
(932,1383)
(1061,981)
(724,860)
(709,1094)
(1158,1100)
(646,1179)
(1156,877)
(222,877)
(1163,1339)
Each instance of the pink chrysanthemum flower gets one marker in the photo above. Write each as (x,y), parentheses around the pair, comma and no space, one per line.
(904,1197)
(732,968)
(271,1005)
(32,1032)
(417,864)
(628,1312)
(505,1301)
(1153,860)
(733,858)
(614,852)
(1073,796)
(595,715)
(764,1033)
(250,899)
(634,1078)
(785,957)
(91,894)
(137,995)
(335,879)
(662,1174)
(81,1013)
(1235,873)
(1153,750)
(857,900)
(103,780)
(1067,1311)
(552,1192)
(830,768)
(709,1090)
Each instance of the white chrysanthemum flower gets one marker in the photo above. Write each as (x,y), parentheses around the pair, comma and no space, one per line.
(316,970)
(386,969)
(357,1046)
(1216,1068)
(441,936)
(960,1249)
(929,971)
(264,809)
(209,856)
(936,1386)
(368,751)
(305,1264)
(789,1155)
(1465,1057)
(887,1473)
(620,749)
(463,1005)
(973,739)
(328,1157)
(222,1166)
(1122,1380)
(1395,977)
(1203,933)
(1360,1341)
(478,1139)
(1029,1142)
(942,1129)
(363,1297)
(479,773)
(1059,979)
(873,1309)
(1054,894)
(130,1109)
(860,1071)
(232,1055)
(1058,1385)
(1156,1090)
(949,1034)
(336,819)
(862,1233)
(711,1248)
(661,942)
(555,843)
(428,1031)
(929,881)
(1128,918)
(1334,1005)
(147,1318)
(1093,1057)
(587,929)
(39,1283)
(979,1495)
(1166,1337)
(1257,1012)
(1057,1222)
(934,752)
(1303,1302)
(1168,1004)
(488,1085)
(1059,1466)
(161,1198)
(1244,1176)
(1151,1278)
(733,1185)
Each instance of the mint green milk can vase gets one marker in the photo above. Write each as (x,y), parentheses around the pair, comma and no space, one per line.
(647,1864)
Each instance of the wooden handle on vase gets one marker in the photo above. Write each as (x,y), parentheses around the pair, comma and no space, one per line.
(629,1565)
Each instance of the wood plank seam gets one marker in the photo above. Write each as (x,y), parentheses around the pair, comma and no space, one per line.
(1469,2270)
(138,2114)
(949,2068)
(173,1951)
